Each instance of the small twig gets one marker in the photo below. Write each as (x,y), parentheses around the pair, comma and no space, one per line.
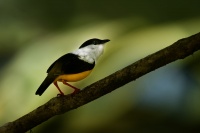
(60,105)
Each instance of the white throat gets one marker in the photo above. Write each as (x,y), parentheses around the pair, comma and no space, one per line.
(90,53)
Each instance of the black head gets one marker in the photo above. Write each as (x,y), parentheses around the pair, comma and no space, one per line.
(94,41)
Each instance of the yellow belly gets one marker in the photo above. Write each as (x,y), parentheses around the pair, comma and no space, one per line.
(73,77)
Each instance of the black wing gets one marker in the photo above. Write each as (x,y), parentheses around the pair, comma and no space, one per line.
(69,64)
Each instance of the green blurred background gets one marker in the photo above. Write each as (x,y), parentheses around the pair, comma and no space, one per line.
(34,33)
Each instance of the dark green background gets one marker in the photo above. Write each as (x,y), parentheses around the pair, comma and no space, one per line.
(166,100)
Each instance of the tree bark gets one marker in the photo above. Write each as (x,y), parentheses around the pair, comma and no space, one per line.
(59,105)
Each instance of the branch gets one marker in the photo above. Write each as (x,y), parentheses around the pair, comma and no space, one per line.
(59,105)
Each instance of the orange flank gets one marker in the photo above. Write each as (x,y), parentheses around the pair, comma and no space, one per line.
(73,77)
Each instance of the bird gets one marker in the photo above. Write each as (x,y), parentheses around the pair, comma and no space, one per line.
(73,66)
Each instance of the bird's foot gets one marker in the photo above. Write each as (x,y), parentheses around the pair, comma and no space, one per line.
(60,94)
(75,91)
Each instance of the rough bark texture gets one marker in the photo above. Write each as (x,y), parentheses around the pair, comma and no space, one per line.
(60,105)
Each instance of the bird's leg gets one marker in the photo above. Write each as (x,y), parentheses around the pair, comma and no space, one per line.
(75,89)
(56,84)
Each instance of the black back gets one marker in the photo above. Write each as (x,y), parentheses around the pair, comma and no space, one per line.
(69,64)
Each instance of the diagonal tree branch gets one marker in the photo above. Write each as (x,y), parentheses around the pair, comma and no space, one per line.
(59,105)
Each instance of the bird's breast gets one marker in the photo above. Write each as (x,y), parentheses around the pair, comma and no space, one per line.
(73,77)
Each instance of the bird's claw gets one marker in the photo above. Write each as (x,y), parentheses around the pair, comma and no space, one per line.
(60,94)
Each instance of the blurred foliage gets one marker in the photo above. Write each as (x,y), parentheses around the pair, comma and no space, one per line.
(34,33)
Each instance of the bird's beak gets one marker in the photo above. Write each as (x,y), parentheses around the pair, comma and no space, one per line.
(105,41)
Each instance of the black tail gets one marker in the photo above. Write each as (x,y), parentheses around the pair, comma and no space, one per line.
(45,84)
